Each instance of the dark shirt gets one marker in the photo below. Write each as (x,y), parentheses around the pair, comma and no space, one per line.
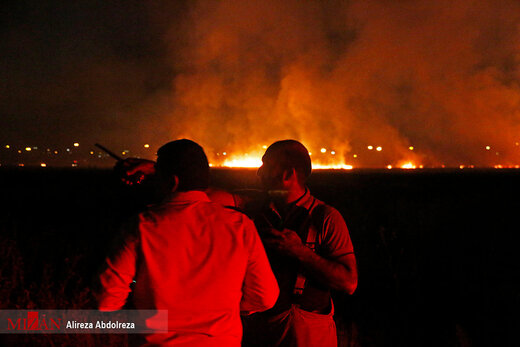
(333,241)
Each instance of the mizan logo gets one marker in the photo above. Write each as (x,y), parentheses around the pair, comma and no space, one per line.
(34,322)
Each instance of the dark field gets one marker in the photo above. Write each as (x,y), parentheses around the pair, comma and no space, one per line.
(437,250)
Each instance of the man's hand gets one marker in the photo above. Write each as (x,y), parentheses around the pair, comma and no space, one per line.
(286,242)
(339,274)
(134,171)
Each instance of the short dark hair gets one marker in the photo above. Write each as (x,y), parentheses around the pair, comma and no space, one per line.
(186,160)
(291,154)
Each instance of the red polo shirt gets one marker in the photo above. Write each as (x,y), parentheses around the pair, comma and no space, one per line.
(202,262)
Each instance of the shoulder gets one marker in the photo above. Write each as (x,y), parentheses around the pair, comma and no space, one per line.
(335,237)
(229,214)
(152,212)
(329,220)
(325,211)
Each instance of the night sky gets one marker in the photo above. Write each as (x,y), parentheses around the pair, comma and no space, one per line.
(81,71)
(440,77)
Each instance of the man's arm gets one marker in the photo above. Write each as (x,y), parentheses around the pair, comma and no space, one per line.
(119,271)
(260,289)
(339,274)
(339,271)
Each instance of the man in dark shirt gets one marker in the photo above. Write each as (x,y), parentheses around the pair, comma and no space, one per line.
(308,246)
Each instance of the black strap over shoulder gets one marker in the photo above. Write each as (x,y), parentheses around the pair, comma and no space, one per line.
(313,235)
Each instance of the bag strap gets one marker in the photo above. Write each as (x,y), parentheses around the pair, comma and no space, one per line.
(311,241)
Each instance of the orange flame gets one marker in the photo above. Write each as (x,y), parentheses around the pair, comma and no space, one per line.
(408,165)
(254,160)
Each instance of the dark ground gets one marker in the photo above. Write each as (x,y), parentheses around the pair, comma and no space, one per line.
(436,250)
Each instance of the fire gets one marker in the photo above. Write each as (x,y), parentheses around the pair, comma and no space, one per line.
(323,159)
(332,166)
(243,160)
(408,165)
(254,160)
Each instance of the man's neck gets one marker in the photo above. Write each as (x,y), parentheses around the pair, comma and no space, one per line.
(289,196)
(295,194)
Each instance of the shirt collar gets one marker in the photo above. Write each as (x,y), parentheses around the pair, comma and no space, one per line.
(191,195)
(304,200)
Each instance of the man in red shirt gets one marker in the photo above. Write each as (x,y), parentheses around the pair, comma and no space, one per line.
(200,261)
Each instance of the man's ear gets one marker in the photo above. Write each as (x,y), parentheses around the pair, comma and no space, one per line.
(175,183)
(288,174)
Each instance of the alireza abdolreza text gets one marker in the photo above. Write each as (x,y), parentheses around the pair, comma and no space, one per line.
(100,325)
(83,321)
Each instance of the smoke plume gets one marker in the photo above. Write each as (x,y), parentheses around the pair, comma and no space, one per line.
(439,76)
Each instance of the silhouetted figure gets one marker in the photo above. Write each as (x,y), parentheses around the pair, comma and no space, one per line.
(202,262)
(309,248)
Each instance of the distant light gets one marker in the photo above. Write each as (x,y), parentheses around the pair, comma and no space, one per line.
(74,165)
(91,152)
(21,164)
(355,155)
(76,144)
(333,152)
(146,145)
(224,153)
(55,152)
(28,149)
(7,146)
(497,153)
(264,147)
(310,153)
(370,148)
(517,144)
(389,167)
(379,149)
(19,151)
(68,149)
(123,153)
(323,150)
(488,148)
(411,148)
(43,165)
(461,166)
(35,147)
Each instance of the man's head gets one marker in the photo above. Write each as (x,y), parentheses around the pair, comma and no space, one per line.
(183,161)
(285,163)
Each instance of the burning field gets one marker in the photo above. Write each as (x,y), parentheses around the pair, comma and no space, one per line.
(363,84)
